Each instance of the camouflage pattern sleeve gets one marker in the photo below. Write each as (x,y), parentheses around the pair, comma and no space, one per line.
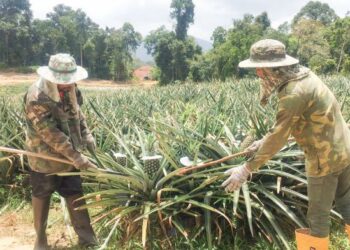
(290,108)
(40,118)
(85,131)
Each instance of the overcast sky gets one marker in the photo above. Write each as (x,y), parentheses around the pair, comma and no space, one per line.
(147,15)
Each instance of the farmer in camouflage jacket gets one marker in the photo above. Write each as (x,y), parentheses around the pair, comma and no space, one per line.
(309,112)
(57,127)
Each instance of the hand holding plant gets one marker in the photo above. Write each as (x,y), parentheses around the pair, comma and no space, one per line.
(238,175)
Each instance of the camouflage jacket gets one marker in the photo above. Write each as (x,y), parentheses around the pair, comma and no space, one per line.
(54,128)
(309,111)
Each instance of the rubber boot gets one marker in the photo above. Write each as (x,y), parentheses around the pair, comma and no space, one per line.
(41,211)
(307,242)
(81,221)
(347,229)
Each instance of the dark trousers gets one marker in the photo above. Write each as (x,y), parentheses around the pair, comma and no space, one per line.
(322,192)
(43,185)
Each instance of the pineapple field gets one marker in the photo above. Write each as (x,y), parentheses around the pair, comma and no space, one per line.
(144,196)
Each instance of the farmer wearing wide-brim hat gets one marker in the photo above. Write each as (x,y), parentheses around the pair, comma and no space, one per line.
(309,112)
(56,127)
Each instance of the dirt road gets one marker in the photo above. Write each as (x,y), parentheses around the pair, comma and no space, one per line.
(12,78)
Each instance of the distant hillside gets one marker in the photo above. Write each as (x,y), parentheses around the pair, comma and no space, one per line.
(206,45)
(141,52)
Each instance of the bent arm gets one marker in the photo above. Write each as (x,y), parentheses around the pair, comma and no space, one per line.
(41,120)
(289,111)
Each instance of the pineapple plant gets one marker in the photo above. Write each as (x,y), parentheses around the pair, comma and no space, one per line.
(200,122)
(7,169)
(150,159)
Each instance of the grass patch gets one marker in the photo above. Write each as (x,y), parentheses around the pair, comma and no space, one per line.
(13,90)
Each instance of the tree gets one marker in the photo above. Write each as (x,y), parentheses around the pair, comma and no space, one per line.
(317,11)
(236,48)
(158,44)
(202,69)
(313,49)
(96,54)
(183,12)
(172,56)
(45,38)
(219,36)
(338,37)
(173,51)
(121,43)
(15,21)
(76,28)
(263,20)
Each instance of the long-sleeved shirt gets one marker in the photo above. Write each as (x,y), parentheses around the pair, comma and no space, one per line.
(54,127)
(309,111)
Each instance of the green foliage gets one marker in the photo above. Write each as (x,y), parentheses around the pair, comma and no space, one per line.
(183,12)
(317,11)
(120,44)
(322,65)
(174,51)
(338,37)
(201,69)
(222,61)
(105,53)
(203,122)
(15,44)
(263,20)
(318,38)
(311,42)
(219,36)
(172,56)
(155,73)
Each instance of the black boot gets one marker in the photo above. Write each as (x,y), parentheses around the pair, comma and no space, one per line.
(41,211)
(81,221)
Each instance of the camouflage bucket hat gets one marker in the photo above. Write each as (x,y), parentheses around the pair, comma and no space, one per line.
(268,53)
(62,69)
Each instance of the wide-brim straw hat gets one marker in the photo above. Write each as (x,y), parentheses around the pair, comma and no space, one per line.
(62,69)
(268,53)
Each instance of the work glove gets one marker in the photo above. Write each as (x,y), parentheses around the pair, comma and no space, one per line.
(238,175)
(255,146)
(83,163)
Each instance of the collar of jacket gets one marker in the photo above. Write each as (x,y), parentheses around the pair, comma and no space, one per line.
(303,72)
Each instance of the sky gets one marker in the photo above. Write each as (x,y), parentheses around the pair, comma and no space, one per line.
(148,15)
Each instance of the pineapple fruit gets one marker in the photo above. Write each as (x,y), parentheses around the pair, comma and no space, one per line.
(120,159)
(151,164)
(248,140)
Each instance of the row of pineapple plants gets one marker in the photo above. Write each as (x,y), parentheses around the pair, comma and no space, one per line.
(145,137)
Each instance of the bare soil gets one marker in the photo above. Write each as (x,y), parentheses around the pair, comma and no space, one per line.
(17,230)
(9,78)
